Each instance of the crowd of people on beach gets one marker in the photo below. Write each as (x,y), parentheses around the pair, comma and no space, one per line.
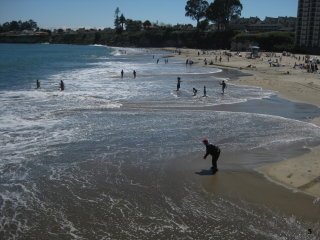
(304,62)
(311,65)
(308,63)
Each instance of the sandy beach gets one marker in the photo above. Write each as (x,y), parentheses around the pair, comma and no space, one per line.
(276,72)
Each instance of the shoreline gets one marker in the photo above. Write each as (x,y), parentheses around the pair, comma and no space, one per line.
(301,173)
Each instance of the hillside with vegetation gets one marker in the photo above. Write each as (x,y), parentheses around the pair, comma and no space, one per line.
(213,30)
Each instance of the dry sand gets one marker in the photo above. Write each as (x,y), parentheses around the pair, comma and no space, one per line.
(296,84)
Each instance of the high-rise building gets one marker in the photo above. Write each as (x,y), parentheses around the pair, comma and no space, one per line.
(308,24)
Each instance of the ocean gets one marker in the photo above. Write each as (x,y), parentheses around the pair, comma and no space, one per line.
(116,158)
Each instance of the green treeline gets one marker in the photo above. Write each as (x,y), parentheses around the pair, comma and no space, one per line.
(161,38)
(270,41)
(18,26)
(274,41)
(151,38)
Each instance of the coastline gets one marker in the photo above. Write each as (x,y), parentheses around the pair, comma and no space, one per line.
(301,173)
(81,167)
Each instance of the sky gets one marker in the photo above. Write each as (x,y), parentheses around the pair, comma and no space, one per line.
(74,14)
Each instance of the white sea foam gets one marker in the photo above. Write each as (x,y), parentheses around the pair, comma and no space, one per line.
(118,51)
(32,117)
(99,45)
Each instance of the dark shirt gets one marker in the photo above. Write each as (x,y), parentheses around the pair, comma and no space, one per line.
(61,85)
(212,150)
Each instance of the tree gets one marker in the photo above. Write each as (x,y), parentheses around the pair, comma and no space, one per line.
(196,9)
(122,21)
(15,26)
(146,24)
(6,27)
(203,24)
(29,25)
(116,18)
(32,25)
(19,26)
(133,26)
(222,11)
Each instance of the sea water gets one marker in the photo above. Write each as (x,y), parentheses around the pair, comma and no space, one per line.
(95,161)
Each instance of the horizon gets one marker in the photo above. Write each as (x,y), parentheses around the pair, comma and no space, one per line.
(99,14)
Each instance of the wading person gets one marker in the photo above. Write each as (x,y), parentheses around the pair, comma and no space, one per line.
(178,83)
(38,84)
(204,91)
(214,151)
(194,90)
(61,85)
(224,85)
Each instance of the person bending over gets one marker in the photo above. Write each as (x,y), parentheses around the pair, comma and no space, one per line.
(214,151)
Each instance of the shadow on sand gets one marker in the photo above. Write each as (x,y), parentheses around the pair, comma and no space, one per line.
(205,172)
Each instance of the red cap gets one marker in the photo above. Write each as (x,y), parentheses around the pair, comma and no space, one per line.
(205,140)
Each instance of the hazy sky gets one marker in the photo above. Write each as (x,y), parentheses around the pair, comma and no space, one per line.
(100,13)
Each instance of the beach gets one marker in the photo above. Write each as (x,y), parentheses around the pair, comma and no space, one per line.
(301,173)
(121,157)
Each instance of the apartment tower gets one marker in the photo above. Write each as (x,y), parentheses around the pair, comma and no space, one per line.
(308,24)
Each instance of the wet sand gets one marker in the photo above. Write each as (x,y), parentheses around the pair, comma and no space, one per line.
(248,186)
